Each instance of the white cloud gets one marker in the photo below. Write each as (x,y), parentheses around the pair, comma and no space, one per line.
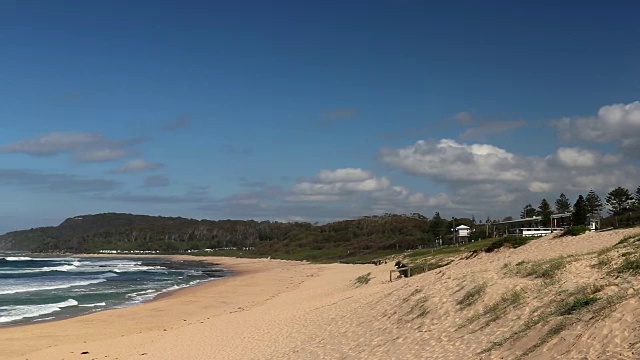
(540,187)
(450,160)
(313,198)
(575,157)
(485,178)
(361,189)
(136,166)
(341,187)
(612,124)
(83,147)
(344,175)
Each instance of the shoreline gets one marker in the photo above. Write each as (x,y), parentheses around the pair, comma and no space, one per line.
(227,274)
(279,309)
(167,312)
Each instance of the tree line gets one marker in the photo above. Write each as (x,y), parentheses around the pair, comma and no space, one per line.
(335,241)
(620,203)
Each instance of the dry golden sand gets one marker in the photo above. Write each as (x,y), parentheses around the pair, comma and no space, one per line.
(293,310)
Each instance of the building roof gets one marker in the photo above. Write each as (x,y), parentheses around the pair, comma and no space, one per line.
(556,216)
(462,227)
(535,218)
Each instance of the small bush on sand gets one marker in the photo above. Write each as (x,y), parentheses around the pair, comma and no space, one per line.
(512,241)
(575,230)
(576,304)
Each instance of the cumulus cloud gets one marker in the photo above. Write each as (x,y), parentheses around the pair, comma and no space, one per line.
(341,182)
(617,123)
(137,166)
(483,176)
(83,147)
(574,157)
(449,160)
(344,175)
(362,189)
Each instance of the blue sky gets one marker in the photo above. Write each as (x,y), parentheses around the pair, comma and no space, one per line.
(312,111)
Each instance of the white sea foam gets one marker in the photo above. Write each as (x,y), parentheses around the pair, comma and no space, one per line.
(18,287)
(17,258)
(92,305)
(17,312)
(36,270)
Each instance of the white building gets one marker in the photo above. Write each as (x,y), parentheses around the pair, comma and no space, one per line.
(462,233)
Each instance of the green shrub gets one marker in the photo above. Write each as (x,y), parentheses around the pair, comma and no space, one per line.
(575,230)
(512,241)
(570,307)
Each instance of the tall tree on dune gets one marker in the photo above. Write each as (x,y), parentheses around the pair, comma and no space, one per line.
(619,201)
(527,212)
(563,206)
(544,211)
(580,212)
(594,203)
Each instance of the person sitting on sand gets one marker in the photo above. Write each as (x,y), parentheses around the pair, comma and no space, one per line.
(400,265)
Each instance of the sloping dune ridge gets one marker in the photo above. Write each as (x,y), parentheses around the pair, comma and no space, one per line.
(556,297)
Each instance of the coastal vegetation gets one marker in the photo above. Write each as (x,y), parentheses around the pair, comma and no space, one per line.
(356,240)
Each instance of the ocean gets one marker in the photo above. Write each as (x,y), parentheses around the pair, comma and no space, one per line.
(39,288)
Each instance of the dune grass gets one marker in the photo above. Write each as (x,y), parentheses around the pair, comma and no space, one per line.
(472,295)
(630,265)
(362,280)
(498,308)
(418,309)
(629,239)
(542,269)
(562,308)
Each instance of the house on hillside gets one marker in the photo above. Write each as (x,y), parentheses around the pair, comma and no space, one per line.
(522,227)
(563,221)
(462,234)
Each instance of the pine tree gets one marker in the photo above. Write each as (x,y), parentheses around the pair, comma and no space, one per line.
(544,211)
(636,197)
(527,212)
(563,206)
(619,200)
(594,203)
(580,212)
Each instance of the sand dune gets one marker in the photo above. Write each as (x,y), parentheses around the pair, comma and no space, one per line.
(293,310)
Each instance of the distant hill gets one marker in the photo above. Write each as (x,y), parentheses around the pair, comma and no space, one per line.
(333,241)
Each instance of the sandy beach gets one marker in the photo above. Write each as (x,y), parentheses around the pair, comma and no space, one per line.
(273,309)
